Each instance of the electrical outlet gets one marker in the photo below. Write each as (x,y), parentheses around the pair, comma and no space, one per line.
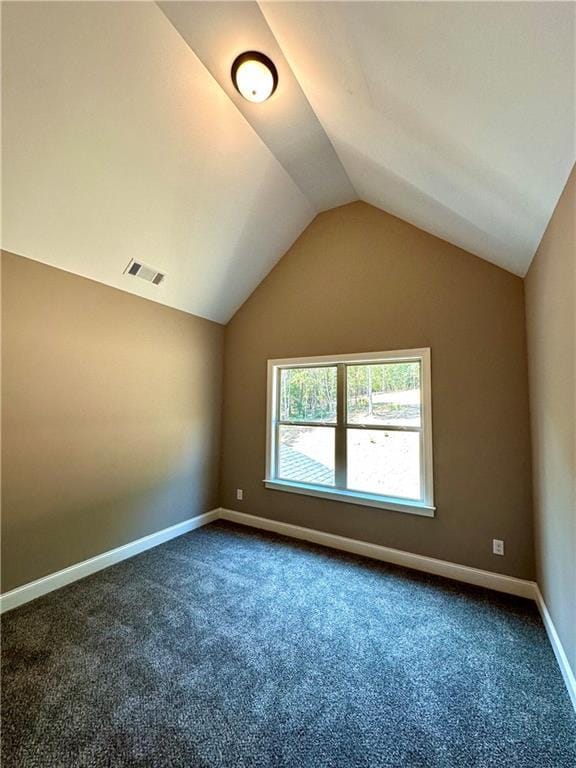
(497,547)
(239,494)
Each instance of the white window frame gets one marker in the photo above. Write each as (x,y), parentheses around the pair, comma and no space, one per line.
(424,506)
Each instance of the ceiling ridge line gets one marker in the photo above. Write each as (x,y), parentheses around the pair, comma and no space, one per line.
(289,63)
(158,4)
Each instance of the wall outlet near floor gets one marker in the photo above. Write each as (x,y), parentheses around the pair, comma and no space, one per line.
(497,547)
(239,494)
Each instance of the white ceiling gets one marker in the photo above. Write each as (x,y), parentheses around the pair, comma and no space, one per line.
(457,117)
(217,32)
(119,144)
(123,137)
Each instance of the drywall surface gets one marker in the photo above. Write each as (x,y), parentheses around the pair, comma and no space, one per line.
(110,414)
(360,280)
(551,324)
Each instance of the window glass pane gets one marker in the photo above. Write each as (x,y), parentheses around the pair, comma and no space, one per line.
(306,454)
(387,463)
(387,393)
(308,394)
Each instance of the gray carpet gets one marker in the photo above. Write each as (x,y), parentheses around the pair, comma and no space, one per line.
(227,647)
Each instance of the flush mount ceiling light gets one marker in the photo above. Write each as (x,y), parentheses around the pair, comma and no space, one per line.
(254,76)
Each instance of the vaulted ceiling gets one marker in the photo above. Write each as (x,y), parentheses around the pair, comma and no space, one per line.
(123,136)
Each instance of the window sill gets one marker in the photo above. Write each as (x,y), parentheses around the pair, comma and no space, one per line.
(352,497)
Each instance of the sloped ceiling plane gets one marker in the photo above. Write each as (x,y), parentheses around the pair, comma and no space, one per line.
(123,136)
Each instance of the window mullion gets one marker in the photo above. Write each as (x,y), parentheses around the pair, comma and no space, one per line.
(278,374)
(340,436)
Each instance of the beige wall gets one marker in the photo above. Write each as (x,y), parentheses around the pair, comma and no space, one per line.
(361,280)
(111,418)
(111,403)
(551,323)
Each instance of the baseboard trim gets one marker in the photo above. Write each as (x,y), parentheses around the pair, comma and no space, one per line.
(34,589)
(464,573)
(476,576)
(557,647)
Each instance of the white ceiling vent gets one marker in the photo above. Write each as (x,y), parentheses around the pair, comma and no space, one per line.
(151,275)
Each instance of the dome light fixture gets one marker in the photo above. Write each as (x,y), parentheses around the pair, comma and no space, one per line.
(254,76)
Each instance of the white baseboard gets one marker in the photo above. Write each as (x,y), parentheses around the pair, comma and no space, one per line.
(59,579)
(480,578)
(476,576)
(558,648)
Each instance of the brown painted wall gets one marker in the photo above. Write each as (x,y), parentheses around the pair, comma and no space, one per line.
(551,322)
(361,280)
(111,418)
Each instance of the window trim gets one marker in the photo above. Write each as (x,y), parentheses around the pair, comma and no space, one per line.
(425,506)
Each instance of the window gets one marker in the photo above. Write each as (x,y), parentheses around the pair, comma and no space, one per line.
(353,428)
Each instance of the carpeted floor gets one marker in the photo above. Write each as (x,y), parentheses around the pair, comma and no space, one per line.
(228,647)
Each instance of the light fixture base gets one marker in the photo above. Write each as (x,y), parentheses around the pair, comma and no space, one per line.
(248,91)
